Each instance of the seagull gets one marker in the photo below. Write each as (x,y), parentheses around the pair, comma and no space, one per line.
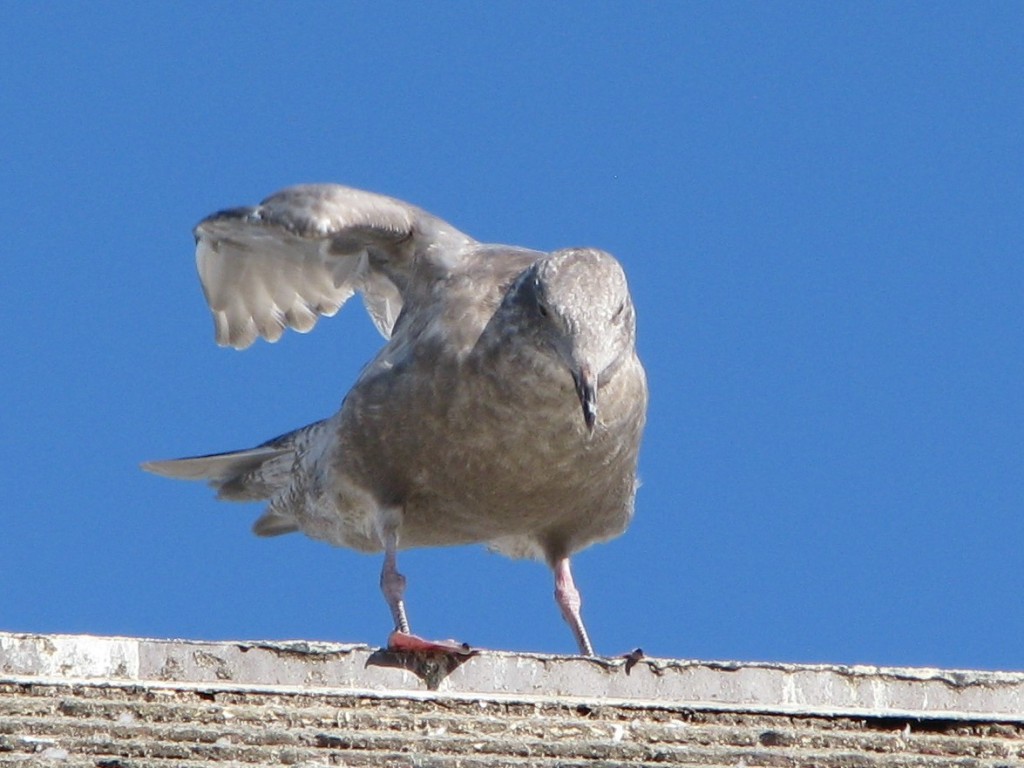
(506,407)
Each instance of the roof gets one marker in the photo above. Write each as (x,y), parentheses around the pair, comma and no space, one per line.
(108,701)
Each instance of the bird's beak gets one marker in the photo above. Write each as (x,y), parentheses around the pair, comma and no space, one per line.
(586,390)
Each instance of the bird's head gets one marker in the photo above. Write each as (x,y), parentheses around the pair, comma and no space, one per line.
(576,303)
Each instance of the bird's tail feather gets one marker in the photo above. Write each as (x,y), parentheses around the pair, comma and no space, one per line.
(247,475)
(214,467)
(236,475)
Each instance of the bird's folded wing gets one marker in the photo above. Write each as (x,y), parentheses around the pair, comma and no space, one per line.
(304,251)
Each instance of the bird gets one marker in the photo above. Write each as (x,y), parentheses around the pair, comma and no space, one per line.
(506,407)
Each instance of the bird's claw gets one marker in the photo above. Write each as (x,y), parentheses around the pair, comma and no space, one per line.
(632,658)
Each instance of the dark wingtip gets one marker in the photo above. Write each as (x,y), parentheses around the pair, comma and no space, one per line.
(231,213)
(227,214)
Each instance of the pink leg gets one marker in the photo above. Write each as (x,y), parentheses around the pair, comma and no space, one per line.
(568,599)
(392,584)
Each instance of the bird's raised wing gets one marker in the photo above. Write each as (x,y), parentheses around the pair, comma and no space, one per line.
(304,251)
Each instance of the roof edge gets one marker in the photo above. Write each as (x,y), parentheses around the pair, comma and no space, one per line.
(340,669)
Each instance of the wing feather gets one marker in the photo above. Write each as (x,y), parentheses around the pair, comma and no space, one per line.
(303,252)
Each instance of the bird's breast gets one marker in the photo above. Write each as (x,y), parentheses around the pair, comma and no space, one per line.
(499,448)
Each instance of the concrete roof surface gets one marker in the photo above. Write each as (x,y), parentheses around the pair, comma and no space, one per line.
(126,702)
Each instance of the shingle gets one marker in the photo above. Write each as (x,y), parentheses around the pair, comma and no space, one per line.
(134,703)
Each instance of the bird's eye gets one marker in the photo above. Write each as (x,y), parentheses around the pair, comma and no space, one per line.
(542,310)
(617,315)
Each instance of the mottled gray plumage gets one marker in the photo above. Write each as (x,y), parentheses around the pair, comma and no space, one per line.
(506,407)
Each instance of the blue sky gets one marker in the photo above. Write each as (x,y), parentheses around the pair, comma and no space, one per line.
(819,207)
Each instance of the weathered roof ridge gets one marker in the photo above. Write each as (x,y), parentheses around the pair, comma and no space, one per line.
(276,667)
